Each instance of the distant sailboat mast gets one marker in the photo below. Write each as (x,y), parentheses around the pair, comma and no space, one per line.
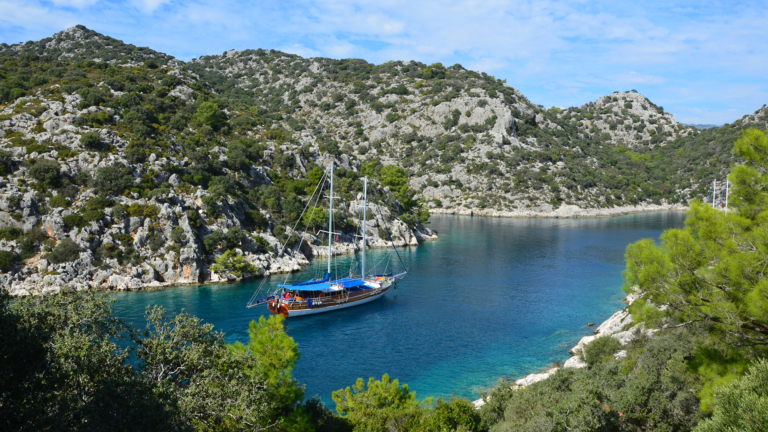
(330,223)
(365,208)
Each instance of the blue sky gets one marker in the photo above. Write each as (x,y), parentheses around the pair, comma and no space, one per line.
(704,61)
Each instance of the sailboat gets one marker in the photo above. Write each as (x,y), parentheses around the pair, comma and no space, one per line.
(325,294)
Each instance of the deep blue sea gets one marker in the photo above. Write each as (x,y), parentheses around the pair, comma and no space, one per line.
(491,298)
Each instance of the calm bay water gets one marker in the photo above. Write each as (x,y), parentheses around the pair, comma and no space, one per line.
(491,298)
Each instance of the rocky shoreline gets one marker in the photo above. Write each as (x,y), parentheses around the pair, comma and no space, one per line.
(619,326)
(564,211)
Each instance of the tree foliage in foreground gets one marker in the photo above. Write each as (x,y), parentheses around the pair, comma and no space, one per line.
(67,364)
(742,404)
(712,271)
(650,389)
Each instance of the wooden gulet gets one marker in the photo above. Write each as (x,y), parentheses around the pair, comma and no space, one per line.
(325,295)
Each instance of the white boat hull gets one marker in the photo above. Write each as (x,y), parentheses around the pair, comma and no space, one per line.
(310,311)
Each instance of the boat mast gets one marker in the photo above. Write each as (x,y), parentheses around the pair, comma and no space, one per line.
(365,208)
(330,223)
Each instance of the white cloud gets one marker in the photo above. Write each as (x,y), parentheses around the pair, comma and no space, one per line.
(300,50)
(149,6)
(79,4)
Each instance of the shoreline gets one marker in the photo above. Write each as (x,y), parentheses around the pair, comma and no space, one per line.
(614,326)
(565,211)
(557,214)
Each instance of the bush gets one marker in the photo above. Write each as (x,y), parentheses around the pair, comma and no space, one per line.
(232,239)
(65,251)
(263,244)
(178,236)
(136,155)
(75,221)
(195,221)
(381,405)
(741,405)
(58,201)
(6,162)
(6,260)
(46,172)
(234,263)
(145,210)
(255,220)
(118,212)
(651,389)
(208,115)
(11,233)
(600,349)
(456,415)
(91,141)
(111,180)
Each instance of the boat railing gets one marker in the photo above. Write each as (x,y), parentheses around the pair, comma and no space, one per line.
(345,299)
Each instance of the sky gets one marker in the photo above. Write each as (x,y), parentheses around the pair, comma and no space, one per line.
(703,61)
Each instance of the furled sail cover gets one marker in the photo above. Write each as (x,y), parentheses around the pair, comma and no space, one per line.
(325,286)
(349,282)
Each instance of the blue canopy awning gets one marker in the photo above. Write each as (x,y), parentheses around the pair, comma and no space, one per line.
(324,285)
(349,282)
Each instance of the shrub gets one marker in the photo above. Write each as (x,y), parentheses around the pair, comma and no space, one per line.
(65,251)
(6,162)
(46,172)
(6,260)
(194,219)
(233,263)
(109,251)
(177,123)
(58,201)
(155,241)
(91,140)
(118,212)
(75,221)
(136,155)
(178,236)
(229,240)
(381,403)
(208,114)
(124,239)
(263,244)
(111,180)
(741,405)
(255,220)
(600,349)
(11,233)
(458,414)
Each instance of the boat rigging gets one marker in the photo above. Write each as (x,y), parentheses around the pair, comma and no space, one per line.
(325,295)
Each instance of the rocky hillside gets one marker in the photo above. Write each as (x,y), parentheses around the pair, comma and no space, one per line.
(122,167)
(472,143)
(117,174)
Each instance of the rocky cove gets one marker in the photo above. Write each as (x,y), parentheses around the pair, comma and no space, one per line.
(619,326)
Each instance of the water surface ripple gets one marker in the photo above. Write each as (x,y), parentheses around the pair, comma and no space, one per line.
(491,298)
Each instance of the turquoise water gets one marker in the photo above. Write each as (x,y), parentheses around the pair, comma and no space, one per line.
(491,298)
